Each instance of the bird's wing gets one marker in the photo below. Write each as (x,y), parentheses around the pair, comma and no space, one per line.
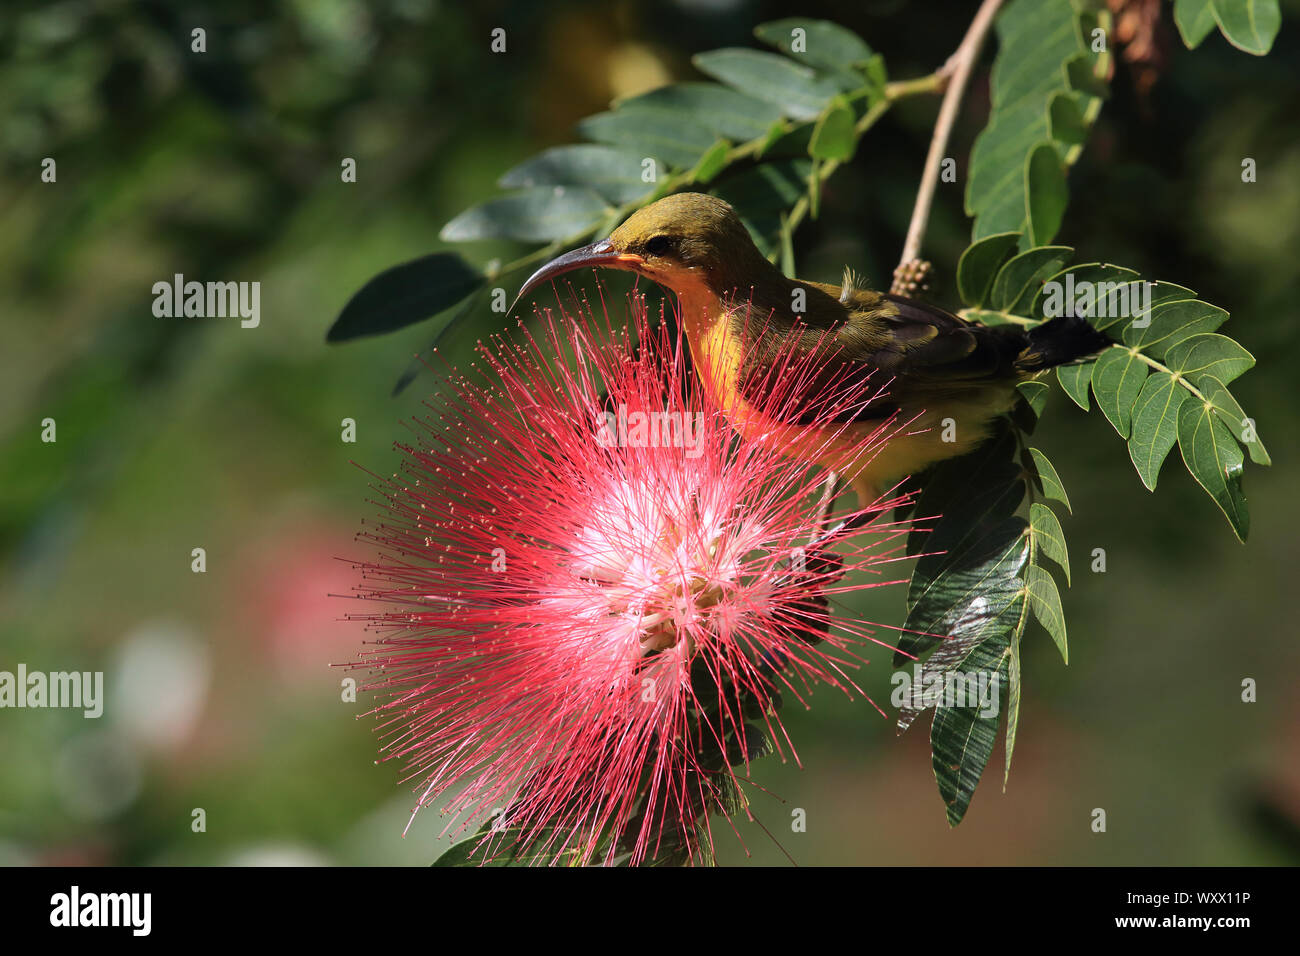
(906,353)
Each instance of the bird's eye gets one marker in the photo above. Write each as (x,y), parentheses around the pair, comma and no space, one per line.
(658,245)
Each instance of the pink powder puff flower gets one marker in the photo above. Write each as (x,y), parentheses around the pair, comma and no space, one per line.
(594,594)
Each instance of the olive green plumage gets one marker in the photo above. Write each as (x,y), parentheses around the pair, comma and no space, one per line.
(930,355)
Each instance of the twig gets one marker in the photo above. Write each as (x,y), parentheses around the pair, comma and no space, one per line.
(958,68)
(830,491)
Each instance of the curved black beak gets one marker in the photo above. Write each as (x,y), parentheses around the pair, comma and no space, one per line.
(602,253)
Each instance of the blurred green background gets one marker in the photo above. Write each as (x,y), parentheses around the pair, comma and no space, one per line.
(175,434)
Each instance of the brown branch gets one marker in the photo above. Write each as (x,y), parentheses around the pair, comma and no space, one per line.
(958,69)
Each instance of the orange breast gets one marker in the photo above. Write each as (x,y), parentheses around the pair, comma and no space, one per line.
(718,353)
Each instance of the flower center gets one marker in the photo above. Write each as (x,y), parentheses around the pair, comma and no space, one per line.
(681,605)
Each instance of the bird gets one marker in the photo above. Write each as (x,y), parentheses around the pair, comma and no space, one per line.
(940,379)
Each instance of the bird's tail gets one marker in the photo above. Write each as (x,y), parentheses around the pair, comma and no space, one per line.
(1060,341)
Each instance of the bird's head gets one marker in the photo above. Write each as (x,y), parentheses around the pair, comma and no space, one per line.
(678,241)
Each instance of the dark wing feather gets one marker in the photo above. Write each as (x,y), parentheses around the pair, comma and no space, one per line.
(907,353)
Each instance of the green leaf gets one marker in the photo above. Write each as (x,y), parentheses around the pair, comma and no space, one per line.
(980,263)
(729,113)
(1081,72)
(1168,323)
(877,75)
(1019,281)
(1013,704)
(536,215)
(1074,381)
(405,294)
(823,43)
(787,248)
(1227,408)
(1066,125)
(1155,425)
(614,173)
(1117,378)
(1048,535)
(775,134)
(961,738)
(1053,488)
(755,745)
(800,92)
(833,136)
(1093,290)
(1045,194)
(496,846)
(657,134)
(1117,302)
(1249,25)
(1215,461)
(1195,19)
(762,194)
(1209,356)
(974,495)
(790,144)
(1035,393)
(1045,602)
(1041,56)
(711,163)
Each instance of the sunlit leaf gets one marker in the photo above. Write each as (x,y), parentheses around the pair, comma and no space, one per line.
(1035,393)
(1155,425)
(1117,378)
(711,163)
(1041,55)
(1209,356)
(1227,408)
(1092,289)
(1168,323)
(1019,281)
(1074,381)
(1214,459)
(1048,535)
(1249,25)
(1045,602)
(979,265)
(833,136)
(1195,19)
(1046,195)
(1053,489)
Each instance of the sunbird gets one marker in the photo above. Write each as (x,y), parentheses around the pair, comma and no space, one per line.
(928,368)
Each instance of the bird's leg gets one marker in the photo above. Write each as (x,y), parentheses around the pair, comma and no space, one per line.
(850,524)
(830,491)
(911,277)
